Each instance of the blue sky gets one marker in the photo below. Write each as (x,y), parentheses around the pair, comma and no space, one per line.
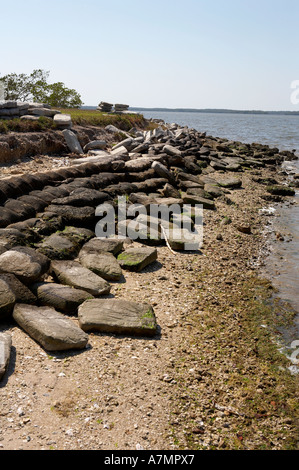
(237,54)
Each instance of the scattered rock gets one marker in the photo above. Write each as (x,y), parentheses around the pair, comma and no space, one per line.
(201,201)
(117,316)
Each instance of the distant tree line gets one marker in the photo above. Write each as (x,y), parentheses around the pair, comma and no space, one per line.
(218,111)
(35,87)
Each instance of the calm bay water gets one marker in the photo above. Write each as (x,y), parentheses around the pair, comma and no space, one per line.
(275,130)
(282,265)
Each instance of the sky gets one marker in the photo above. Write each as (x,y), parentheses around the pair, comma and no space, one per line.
(233,54)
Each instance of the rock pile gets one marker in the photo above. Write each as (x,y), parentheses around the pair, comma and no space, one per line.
(33,111)
(121,108)
(52,263)
(105,107)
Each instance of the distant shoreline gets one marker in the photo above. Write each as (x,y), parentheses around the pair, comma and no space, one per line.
(218,111)
(207,111)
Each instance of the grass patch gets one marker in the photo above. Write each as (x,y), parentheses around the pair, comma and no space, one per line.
(80,117)
(23,125)
(124,122)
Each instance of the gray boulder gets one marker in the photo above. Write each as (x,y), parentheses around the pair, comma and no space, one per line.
(72,141)
(75,216)
(120,152)
(230,183)
(127,143)
(25,263)
(170,191)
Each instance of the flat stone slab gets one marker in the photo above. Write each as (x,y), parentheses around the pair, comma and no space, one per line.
(136,259)
(25,263)
(63,121)
(108,245)
(65,299)
(74,274)
(117,316)
(51,329)
(201,201)
(103,264)
(5,348)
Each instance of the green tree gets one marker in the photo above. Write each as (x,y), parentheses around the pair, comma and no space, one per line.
(60,96)
(35,87)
